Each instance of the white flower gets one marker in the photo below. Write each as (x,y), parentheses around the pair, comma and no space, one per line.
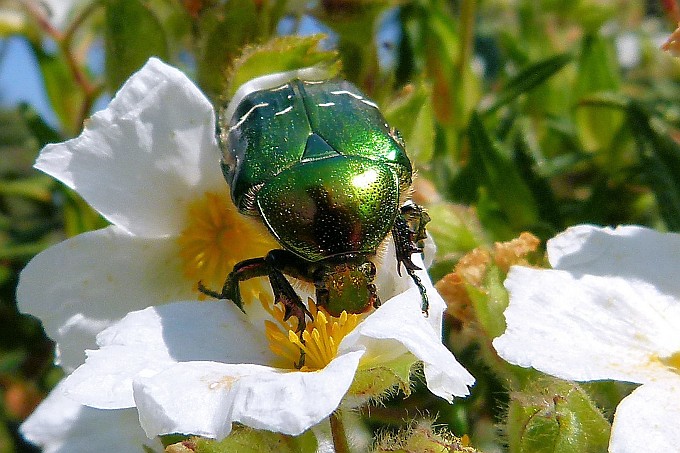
(149,164)
(194,367)
(609,309)
(60,425)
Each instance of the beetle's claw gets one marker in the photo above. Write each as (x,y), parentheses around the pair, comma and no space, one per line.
(228,293)
(208,292)
(300,363)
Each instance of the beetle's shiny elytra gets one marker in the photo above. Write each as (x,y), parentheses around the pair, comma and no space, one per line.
(316,161)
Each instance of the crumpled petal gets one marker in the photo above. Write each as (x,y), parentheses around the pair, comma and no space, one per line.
(148,341)
(401,320)
(60,425)
(205,398)
(647,419)
(82,285)
(588,327)
(626,252)
(142,159)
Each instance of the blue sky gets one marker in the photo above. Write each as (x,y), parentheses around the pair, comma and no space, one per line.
(20,79)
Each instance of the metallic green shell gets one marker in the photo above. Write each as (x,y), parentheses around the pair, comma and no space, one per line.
(272,130)
(331,206)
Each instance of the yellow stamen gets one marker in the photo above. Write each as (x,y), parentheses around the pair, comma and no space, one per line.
(319,341)
(217,237)
(672,362)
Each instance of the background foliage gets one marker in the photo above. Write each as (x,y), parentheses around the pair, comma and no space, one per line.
(537,114)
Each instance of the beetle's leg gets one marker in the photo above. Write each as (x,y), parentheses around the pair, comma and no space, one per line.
(283,262)
(408,233)
(245,270)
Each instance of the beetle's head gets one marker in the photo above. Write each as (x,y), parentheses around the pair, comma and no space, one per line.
(346,286)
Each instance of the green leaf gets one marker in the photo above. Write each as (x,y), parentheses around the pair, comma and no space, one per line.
(490,303)
(500,176)
(36,187)
(66,97)
(412,115)
(660,158)
(598,71)
(285,53)
(247,440)
(42,132)
(133,34)
(529,78)
(226,32)
(555,417)
(455,229)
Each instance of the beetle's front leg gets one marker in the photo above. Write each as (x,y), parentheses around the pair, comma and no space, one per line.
(270,267)
(408,234)
(245,270)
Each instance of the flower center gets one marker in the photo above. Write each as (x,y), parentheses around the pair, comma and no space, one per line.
(318,342)
(217,237)
(673,362)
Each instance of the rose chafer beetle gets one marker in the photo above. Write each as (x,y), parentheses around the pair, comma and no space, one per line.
(317,163)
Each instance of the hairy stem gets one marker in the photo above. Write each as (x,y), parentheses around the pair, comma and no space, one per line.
(338,432)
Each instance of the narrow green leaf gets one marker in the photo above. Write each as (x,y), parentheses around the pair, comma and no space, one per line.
(42,132)
(500,176)
(528,79)
(133,34)
(65,96)
(36,187)
(660,158)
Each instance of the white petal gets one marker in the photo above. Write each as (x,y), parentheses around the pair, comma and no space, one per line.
(80,286)
(631,252)
(400,320)
(647,419)
(587,328)
(151,340)
(140,161)
(205,398)
(389,283)
(60,425)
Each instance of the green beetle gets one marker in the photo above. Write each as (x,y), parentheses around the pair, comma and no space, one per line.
(316,161)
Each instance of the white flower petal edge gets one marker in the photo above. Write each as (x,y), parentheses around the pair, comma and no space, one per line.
(588,327)
(647,419)
(205,398)
(147,342)
(60,425)
(625,251)
(400,319)
(140,161)
(109,273)
(390,284)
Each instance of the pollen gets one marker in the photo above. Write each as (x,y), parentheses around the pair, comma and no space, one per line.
(318,343)
(217,237)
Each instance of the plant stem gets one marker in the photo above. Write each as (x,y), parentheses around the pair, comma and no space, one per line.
(338,432)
